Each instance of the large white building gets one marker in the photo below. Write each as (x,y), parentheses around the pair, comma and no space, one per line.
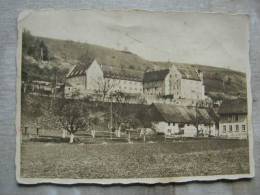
(187,82)
(94,77)
(179,81)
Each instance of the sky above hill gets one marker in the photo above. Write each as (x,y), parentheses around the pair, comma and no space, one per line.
(209,39)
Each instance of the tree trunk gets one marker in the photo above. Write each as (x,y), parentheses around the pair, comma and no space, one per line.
(64,133)
(93,133)
(71,138)
(129,136)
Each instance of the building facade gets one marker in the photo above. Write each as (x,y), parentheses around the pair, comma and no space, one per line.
(233,121)
(187,82)
(179,82)
(94,78)
(157,83)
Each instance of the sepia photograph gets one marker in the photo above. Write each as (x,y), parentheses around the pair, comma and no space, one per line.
(131,96)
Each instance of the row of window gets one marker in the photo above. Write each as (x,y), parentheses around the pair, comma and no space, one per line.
(131,88)
(125,82)
(232,118)
(237,128)
(180,125)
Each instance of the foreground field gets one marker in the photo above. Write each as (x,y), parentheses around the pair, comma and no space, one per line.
(121,160)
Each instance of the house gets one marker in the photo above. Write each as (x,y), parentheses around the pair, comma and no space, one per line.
(187,82)
(178,81)
(95,77)
(44,88)
(233,121)
(182,121)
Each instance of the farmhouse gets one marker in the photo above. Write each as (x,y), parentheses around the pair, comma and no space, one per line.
(178,81)
(44,88)
(95,77)
(178,120)
(233,119)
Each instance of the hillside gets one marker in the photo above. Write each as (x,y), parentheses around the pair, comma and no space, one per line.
(62,55)
(71,51)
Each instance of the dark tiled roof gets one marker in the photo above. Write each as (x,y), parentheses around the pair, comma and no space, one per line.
(109,72)
(181,114)
(157,75)
(123,74)
(188,72)
(236,106)
(80,69)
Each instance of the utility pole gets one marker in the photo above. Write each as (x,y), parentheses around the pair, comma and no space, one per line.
(53,96)
(196,118)
(111,118)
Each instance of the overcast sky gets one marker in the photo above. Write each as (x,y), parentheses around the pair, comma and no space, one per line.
(207,39)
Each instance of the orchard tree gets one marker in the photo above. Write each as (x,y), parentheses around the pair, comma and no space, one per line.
(104,88)
(120,110)
(72,115)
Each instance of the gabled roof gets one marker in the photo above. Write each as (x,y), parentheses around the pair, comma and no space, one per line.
(187,72)
(236,106)
(123,74)
(80,69)
(109,72)
(157,75)
(181,114)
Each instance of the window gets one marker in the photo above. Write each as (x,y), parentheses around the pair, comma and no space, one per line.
(169,123)
(237,127)
(236,117)
(169,131)
(224,129)
(244,128)
(180,125)
(230,128)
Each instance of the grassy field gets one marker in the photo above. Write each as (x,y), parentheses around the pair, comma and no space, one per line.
(121,160)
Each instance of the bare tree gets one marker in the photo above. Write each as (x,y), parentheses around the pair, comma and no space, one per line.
(205,104)
(119,112)
(105,87)
(72,115)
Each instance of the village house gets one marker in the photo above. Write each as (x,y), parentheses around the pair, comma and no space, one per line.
(233,119)
(44,88)
(176,120)
(95,77)
(178,81)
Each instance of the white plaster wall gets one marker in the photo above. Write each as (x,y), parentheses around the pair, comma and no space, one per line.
(163,127)
(94,77)
(192,89)
(126,85)
(234,133)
